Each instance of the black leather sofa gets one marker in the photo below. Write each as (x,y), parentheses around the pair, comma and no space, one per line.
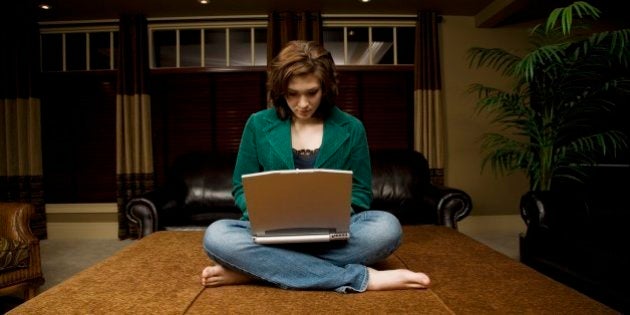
(197,191)
(578,234)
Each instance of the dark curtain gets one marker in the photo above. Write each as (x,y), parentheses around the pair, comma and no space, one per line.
(286,26)
(429,129)
(134,150)
(20,111)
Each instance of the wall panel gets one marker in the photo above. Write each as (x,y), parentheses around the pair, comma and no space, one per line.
(192,110)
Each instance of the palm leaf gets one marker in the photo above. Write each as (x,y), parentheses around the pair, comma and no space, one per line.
(495,58)
(565,15)
(552,122)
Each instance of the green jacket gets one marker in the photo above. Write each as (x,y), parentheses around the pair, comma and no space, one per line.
(266,145)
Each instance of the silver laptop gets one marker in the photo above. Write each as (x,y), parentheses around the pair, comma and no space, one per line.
(299,206)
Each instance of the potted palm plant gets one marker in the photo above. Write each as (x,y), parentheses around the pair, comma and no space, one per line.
(555,120)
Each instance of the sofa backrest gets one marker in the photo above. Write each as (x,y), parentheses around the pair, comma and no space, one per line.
(591,211)
(202,181)
(595,204)
(400,180)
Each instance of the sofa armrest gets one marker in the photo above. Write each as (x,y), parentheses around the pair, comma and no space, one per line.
(532,209)
(564,212)
(452,205)
(15,218)
(143,211)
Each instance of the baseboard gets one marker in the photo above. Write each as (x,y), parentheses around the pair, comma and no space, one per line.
(100,221)
(55,208)
(82,221)
(87,230)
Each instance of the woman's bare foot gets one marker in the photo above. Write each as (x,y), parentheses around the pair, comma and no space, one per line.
(217,275)
(397,279)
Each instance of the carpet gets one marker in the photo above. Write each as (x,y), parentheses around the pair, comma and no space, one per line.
(160,275)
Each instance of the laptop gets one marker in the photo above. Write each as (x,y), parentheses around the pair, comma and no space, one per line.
(299,206)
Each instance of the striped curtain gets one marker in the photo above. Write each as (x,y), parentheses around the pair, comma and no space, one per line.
(429,118)
(20,113)
(134,150)
(286,26)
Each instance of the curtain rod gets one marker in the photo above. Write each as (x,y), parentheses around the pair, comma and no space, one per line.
(213,17)
(385,16)
(78,22)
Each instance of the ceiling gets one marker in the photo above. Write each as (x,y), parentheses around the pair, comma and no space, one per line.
(488,13)
(73,9)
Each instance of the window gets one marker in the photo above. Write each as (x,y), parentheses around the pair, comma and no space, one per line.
(382,97)
(78,109)
(194,108)
(78,48)
(208,44)
(373,42)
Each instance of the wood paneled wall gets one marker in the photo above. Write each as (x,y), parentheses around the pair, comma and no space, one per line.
(191,111)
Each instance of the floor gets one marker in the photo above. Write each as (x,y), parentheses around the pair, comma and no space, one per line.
(499,232)
(63,258)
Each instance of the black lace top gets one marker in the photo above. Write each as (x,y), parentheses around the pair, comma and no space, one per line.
(305,158)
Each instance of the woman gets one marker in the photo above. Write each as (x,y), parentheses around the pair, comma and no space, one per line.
(304,129)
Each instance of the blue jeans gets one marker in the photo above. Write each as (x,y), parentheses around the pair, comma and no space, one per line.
(339,266)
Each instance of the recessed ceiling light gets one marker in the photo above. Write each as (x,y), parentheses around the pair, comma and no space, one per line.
(204,1)
(365,1)
(44,6)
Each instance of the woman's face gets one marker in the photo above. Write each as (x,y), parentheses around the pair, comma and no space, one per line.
(304,94)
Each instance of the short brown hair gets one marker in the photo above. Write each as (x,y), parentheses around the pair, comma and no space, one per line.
(299,58)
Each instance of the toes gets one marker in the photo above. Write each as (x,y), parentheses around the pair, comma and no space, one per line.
(425,280)
(207,272)
(208,276)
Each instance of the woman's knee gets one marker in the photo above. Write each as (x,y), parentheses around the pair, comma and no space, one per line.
(389,222)
(223,235)
(379,227)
